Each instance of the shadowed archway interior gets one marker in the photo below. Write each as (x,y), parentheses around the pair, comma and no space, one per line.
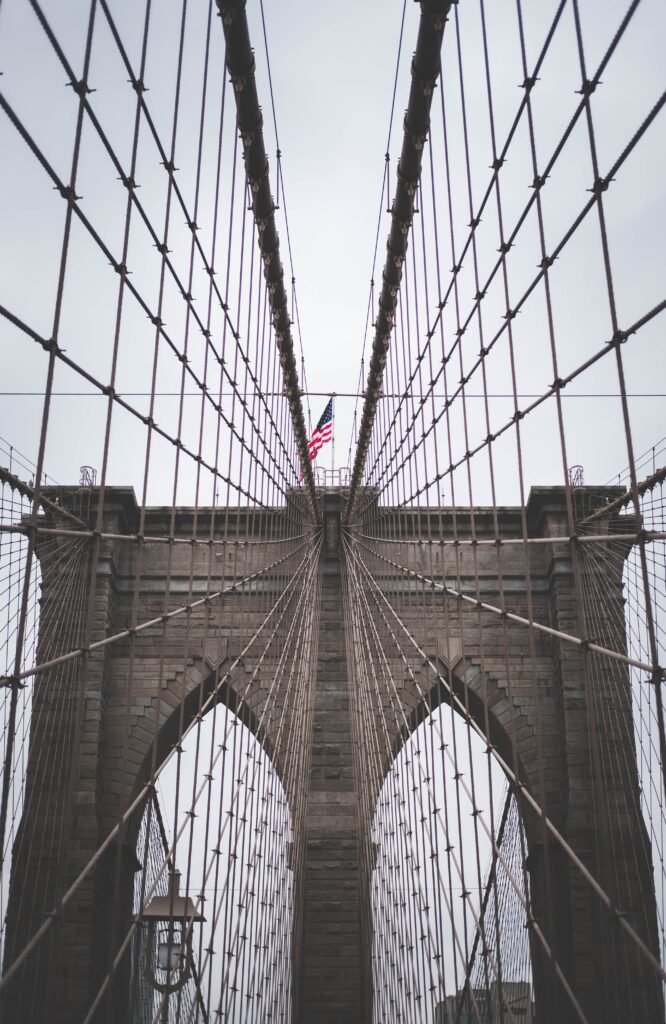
(378,742)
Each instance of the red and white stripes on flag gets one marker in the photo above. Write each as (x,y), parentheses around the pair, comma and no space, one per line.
(323,432)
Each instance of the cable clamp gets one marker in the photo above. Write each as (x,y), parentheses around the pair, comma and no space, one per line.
(51,345)
(80,87)
(240,79)
(409,184)
(588,86)
(417,139)
(228,11)
(12,681)
(68,193)
(426,83)
(600,185)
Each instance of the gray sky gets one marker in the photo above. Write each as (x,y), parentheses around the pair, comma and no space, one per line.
(332,68)
(332,74)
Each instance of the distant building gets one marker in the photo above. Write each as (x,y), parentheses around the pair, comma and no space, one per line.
(470,1007)
(496,1005)
(516,997)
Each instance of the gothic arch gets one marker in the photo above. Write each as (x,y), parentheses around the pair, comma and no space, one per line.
(203,682)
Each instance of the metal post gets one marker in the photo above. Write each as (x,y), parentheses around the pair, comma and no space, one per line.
(333,442)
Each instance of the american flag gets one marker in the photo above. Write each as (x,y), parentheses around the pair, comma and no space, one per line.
(323,432)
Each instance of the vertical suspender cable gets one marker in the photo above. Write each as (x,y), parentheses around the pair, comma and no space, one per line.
(240,64)
(425,72)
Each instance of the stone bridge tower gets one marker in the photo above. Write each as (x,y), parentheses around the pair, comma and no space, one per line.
(547,725)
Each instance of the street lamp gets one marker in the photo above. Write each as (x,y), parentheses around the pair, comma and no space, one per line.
(168,919)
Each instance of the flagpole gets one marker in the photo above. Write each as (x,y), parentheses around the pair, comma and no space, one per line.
(333,440)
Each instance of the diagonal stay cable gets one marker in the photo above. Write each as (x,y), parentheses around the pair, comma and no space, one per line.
(131,186)
(148,623)
(513,617)
(525,793)
(425,72)
(461,707)
(26,491)
(149,786)
(305,566)
(240,65)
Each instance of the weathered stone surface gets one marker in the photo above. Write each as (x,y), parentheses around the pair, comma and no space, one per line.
(332,980)
(567,731)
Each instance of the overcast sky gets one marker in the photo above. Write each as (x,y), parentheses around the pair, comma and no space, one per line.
(333,70)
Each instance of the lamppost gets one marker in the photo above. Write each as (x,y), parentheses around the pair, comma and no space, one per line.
(168,957)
